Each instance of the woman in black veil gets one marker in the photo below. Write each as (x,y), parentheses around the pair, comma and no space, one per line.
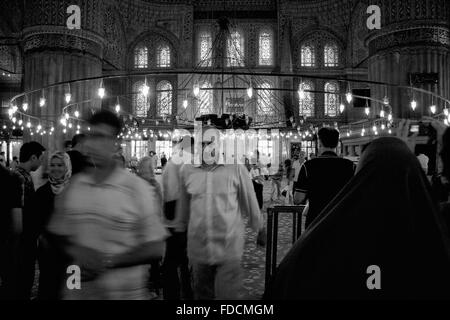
(385,217)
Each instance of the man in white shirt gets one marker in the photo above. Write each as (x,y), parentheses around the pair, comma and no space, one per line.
(213,200)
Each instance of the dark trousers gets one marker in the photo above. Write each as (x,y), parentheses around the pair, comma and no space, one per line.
(52,267)
(176,274)
(28,256)
(10,268)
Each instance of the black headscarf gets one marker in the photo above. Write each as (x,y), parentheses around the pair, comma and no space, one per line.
(384,216)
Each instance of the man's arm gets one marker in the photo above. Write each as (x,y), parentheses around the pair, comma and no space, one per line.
(301,186)
(247,199)
(143,254)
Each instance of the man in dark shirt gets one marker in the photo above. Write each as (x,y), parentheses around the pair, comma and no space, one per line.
(30,158)
(321,178)
(10,231)
(77,158)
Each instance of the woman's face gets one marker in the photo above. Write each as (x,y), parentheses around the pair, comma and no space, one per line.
(57,168)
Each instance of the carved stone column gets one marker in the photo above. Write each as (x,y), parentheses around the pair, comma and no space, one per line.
(53,53)
(414,38)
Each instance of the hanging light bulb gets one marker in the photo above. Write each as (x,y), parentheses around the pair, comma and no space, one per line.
(64,130)
(196,89)
(39,127)
(41,102)
(117,108)
(448,118)
(14,108)
(66,115)
(20,122)
(341,107)
(349,97)
(433,109)
(70,125)
(446,112)
(63,121)
(76,113)
(101,92)
(25,106)
(367,110)
(383,127)
(89,128)
(250,92)
(68,97)
(386,100)
(4,127)
(10,112)
(413,104)
(14,119)
(14,127)
(446,122)
(28,124)
(32,134)
(390,116)
(185,103)
(389,131)
(52,129)
(382,113)
(374,128)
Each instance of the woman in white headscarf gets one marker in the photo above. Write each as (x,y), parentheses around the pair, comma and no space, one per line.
(60,172)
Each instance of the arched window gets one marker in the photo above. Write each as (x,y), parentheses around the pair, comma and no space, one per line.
(140,105)
(163,56)
(235,50)
(265,48)
(331,99)
(331,55)
(308,56)
(141,57)
(306,101)
(164,98)
(205,101)
(205,49)
(265,100)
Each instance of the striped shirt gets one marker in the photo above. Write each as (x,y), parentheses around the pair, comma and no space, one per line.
(112,217)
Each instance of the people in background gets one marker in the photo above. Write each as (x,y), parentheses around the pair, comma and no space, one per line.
(14,163)
(51,262)
(381,237)
(76,154)
(423,160)
(176,273)
(276,183)
(163,160)
(321,178)
(30,157)
(154,158)
(290,174)
(107,221)
(2,159)
(213,198)
(67,145)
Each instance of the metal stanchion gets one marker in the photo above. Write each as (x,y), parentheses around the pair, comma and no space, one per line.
(272,234)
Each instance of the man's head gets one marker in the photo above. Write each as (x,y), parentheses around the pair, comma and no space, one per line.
(101,141)
(67,145)
(151,153)
(328,138)
(77,141)
(31,154)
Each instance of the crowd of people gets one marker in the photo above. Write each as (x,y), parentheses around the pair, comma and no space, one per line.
(130,232)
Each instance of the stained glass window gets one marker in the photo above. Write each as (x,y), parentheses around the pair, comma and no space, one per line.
(163,56)
(235,50)
(205,49)
(141,57)
(331,55)
(140,105)
(331,99)
(308,57)
(306,102)
(164,98)
(265,48)
(205,101)
(265,101)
